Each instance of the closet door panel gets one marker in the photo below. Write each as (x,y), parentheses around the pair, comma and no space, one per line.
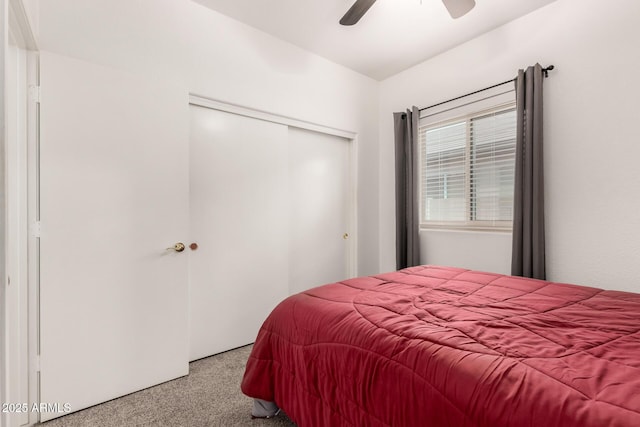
(239,207)
(320,206)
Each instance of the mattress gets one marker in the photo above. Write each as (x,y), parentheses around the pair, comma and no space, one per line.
(441,346)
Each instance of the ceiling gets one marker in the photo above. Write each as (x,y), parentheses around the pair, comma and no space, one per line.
(391,37)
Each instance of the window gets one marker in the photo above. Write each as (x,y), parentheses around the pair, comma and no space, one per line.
(467,167)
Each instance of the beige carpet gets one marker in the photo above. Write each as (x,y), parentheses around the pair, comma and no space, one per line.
(209,396)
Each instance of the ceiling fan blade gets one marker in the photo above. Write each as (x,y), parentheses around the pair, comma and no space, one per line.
(356,12)
(457,8)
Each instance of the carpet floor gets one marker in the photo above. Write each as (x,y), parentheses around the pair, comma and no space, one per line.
(209,396)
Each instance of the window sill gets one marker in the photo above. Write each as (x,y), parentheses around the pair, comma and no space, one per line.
(464,228)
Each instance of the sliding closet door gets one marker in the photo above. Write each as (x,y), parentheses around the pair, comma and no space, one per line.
(270,208)
(320,206)
(239,214)
(114,196)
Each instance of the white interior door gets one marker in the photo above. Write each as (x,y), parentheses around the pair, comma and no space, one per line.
(113,197)
(320,206)
(239,213)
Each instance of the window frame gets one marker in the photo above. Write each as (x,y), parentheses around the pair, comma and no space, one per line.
(468,224)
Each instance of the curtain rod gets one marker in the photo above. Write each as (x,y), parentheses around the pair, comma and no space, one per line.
(544,70)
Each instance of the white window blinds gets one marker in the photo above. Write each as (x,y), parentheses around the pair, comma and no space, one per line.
(444,163)
(492,166)
(467,166)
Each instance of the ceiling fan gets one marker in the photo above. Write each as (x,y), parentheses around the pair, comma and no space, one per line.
(456,9)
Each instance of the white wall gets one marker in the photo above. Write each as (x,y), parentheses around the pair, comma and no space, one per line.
(478,250)
(591,143)
(16,231)
(31,12)
(214,56)
(5,367)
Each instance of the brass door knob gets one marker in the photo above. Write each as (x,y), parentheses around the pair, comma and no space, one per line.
(345,236)
(178,247)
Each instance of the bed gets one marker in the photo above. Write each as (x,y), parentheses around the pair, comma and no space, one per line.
(441,346)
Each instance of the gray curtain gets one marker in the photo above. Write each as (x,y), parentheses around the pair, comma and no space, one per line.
(407,221)
(528,251)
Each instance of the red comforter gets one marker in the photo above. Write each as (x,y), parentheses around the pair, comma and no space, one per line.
(436,346)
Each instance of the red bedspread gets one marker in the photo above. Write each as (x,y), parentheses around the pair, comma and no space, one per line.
(436,346)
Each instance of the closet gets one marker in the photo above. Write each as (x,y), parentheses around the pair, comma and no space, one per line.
(269,212)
